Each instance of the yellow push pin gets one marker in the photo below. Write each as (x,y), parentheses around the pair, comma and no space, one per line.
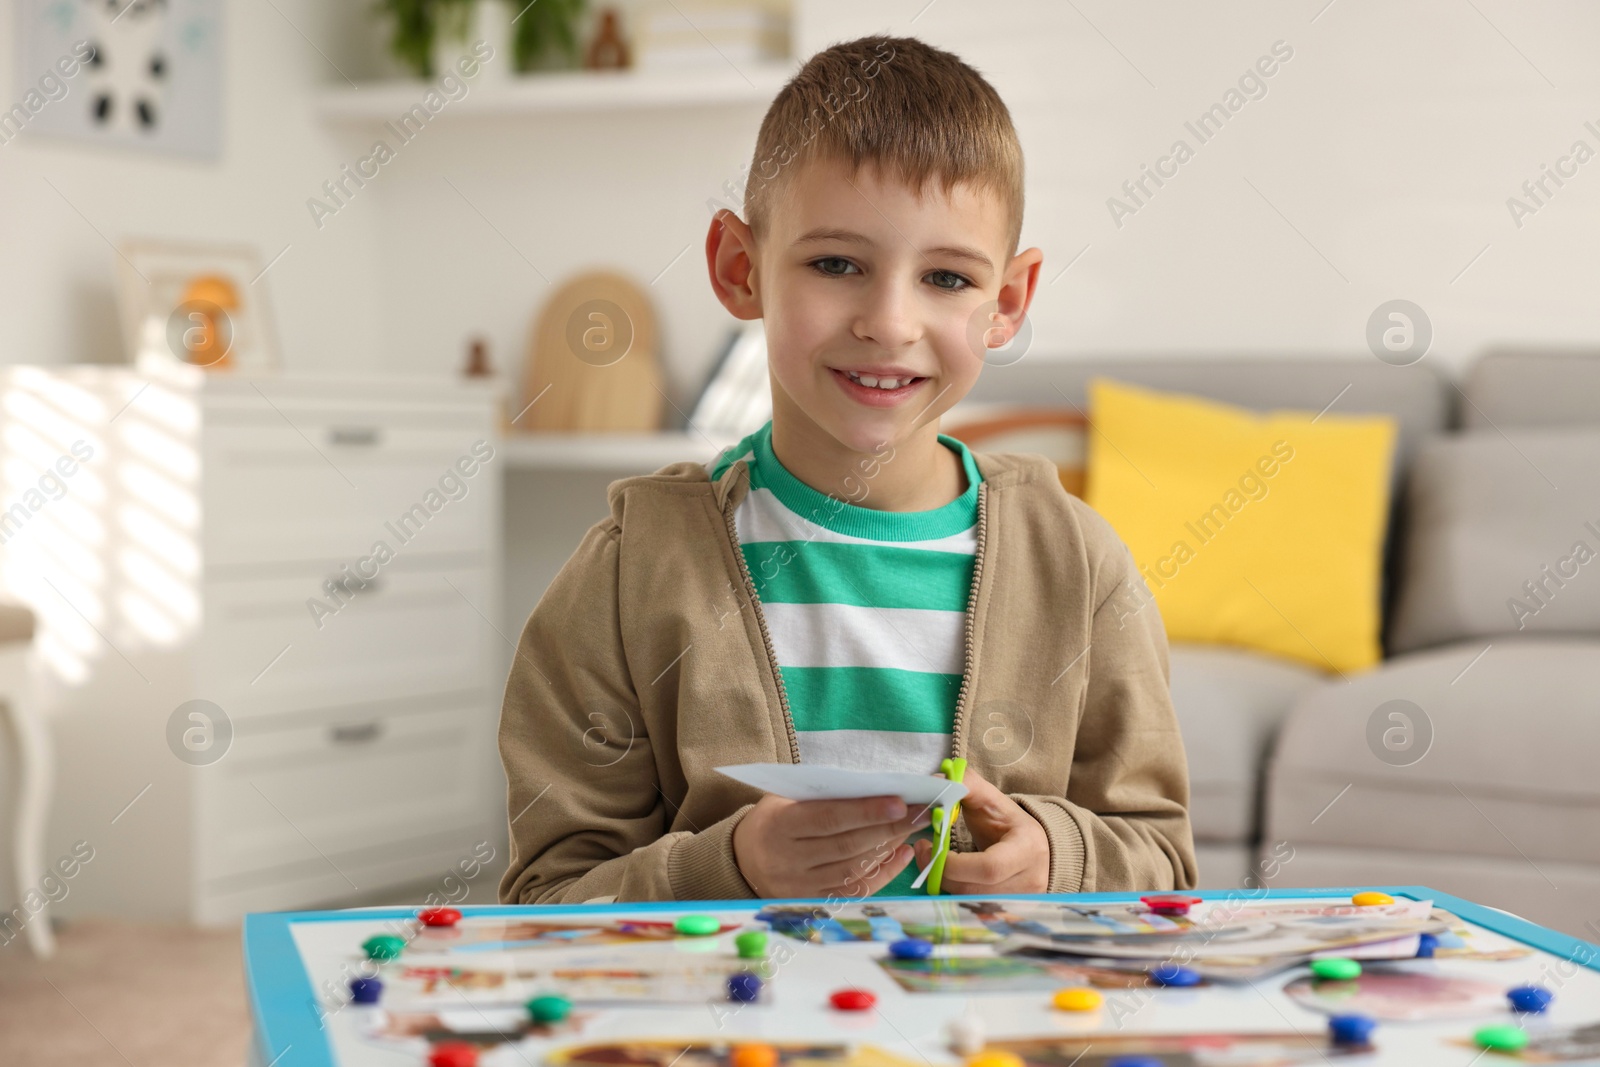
(1371,898)
(1078,999)
(995,1058)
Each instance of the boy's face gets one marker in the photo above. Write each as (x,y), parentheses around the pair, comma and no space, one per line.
(858,274)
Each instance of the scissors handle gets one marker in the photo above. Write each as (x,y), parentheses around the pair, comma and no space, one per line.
(952,769)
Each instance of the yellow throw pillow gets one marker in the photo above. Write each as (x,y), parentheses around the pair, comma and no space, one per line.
(1262,531)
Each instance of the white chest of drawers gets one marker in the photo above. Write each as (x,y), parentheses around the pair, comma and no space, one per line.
(317,558)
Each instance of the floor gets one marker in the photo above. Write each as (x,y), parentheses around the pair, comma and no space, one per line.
(125,994)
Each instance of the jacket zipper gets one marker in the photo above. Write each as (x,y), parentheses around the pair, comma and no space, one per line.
(766,637)
(956,747)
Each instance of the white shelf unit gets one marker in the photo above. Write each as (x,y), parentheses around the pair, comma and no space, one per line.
(565,92)
(179,564)
(622,453)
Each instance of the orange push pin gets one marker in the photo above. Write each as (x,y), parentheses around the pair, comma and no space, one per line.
(753,1055)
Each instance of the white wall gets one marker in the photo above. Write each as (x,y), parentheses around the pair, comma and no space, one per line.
(1390,141)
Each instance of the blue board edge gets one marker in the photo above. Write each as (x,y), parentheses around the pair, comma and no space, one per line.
(289,1033)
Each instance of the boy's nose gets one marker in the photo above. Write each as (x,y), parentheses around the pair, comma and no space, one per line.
(889,321)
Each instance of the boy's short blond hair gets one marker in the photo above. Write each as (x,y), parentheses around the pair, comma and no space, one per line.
(915,111)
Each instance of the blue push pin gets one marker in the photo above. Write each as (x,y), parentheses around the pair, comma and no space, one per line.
(1169,974)
(743,987)
(911,948)
(1530,998)
(1134,1061)
(1426,944)
(1351,1029)
(365,990)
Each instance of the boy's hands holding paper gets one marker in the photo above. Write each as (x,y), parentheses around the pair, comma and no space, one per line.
(815,835)
(820,848)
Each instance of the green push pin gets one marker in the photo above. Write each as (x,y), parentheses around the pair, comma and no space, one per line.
(696,925)
(383,946)
(1336,969)
(751,945)
(549,1009)
(1501,1038)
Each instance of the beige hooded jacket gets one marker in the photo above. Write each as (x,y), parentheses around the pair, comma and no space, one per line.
(646,664)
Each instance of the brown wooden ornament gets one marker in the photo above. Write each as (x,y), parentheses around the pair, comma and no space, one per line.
(592,361)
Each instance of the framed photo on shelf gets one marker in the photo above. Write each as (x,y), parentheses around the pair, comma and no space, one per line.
(198,303)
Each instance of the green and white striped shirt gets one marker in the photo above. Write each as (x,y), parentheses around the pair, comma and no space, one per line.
(866,610)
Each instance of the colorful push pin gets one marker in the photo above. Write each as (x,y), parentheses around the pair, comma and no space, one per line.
(1501,1038)
(549,1009)
(852,1000)
(744,987)
(1351,1030)
(1134,1061)
(966,1036)
(453,1054)
(1077,999)
(1336,969)
(383,946)
(439,916)
(1168,904)
(995,1058)
(753,1055)
(1371,898)
(1427,945)
(365,990)
(751,945)
(911,948)
(1532,998)
(696,925)
(1170,974)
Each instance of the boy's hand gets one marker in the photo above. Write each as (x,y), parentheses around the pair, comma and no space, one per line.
(821,848)
(1014,854)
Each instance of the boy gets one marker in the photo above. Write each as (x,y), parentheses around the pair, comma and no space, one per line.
(847,586)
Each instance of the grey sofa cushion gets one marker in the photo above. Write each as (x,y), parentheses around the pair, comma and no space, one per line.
(1229,704)
(1497,529)
(1510,388)
(1414,395)
(1508,773)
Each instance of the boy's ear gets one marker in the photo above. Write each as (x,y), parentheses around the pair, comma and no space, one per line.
(1017,286)
(731,260)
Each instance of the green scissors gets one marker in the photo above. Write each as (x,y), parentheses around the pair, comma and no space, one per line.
(952,769)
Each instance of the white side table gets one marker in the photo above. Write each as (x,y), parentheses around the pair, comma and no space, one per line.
(35,767)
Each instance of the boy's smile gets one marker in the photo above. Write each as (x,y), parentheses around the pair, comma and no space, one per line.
(863,283)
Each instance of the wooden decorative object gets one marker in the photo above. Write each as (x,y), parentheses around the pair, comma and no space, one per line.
(592,363)
(609,50)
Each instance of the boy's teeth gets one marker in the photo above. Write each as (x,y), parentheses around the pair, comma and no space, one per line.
(878,383)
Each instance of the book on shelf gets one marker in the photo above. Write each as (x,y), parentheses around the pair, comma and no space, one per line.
(737,398)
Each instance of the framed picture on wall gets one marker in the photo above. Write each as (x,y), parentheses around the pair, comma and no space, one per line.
(198,303)
(143,74)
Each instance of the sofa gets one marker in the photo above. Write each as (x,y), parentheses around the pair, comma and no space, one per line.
(1483,786)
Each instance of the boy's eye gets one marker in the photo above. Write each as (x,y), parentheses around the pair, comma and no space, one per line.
(818,265)
(958,283)
(949,281)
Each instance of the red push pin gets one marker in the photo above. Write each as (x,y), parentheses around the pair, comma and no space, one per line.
(1166,904)
(454,1054)
(853,1000)
(439,916)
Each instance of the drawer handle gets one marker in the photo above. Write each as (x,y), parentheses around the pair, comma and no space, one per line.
(357,584)
(353,435)
(355,733)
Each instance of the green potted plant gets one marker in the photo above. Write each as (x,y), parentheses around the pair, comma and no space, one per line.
(543,33)
(541,30)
